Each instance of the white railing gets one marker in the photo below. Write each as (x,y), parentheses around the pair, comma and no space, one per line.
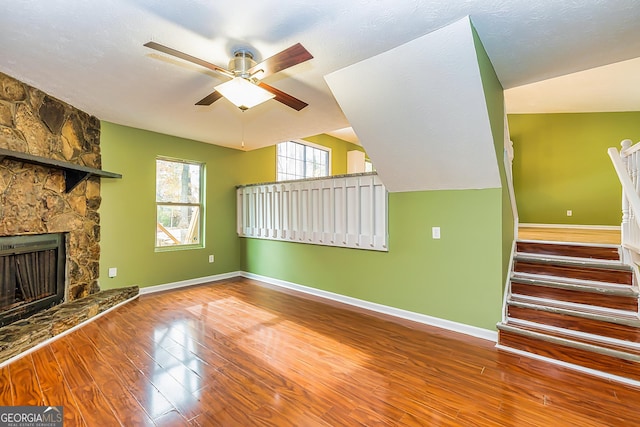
(508,167)
(627,166)
(347,211)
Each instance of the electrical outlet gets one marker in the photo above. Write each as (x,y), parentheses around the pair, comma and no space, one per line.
(211,258)
(569,212)
(113,272)
(435,232)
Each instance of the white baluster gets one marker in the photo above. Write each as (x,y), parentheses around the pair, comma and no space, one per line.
(624,227)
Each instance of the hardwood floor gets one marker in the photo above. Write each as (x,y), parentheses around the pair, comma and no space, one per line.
(576,235)
(239,353)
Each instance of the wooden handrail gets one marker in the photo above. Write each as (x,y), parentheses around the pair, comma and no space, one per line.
(628,148)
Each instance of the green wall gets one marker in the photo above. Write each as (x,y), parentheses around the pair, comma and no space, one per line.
(128,205)
(457,278)
(561,163)
(263,160)
(418,274)
(128,209)
(494,97)
(339,149)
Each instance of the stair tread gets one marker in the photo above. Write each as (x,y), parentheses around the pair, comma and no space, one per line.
(619,274)
(581,285)
(579,250)
(576,295)
(574,303)
(562,243)
(550,277)
(572,261)
(568,335)
(612,362)
(624,328)
(624,317)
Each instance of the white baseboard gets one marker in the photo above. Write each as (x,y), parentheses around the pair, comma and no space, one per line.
(583,227)
(68,331)
(189,282)
(384,309)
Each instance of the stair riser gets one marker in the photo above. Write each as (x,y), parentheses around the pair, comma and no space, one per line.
(574,296)
(578,251)
(584,358)
(574,323)
(621,277)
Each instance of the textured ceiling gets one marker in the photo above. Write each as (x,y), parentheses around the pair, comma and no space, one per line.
(90,54)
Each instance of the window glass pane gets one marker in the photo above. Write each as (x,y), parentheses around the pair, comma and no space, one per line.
(177,182)
(178,202)
(291,165)
(299,170)
(177,225)
(324,159)
(368,166)
(297,161)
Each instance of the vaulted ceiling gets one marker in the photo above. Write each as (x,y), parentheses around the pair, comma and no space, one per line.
(91,55)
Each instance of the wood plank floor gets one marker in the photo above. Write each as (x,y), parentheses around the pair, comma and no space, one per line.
(239,353)
(576,235)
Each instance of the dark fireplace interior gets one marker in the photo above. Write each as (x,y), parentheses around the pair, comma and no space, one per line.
(32,274)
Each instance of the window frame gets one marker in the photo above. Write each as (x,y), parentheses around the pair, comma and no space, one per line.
(305,144)
(201,206)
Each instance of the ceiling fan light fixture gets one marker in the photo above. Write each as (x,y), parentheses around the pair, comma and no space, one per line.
(243,93)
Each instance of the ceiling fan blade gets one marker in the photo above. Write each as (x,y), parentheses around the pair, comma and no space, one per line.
(187,57)
(283,97)
(210,99)
(289,57)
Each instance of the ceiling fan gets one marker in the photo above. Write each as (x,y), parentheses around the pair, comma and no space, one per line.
(247,75)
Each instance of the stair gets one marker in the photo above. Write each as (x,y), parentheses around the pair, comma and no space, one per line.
(576,304)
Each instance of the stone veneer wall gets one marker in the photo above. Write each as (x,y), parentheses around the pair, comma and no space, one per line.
(33,198)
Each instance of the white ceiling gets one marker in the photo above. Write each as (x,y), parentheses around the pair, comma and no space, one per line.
(613,87)
(90,54)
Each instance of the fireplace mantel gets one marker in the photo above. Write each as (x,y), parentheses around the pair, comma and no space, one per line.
(74,174)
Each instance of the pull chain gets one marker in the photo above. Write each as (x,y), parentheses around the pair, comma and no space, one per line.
(242,129)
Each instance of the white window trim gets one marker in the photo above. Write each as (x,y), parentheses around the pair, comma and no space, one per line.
(202,225)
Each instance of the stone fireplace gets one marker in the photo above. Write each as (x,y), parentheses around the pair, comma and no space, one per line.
(33,198)
(50,171)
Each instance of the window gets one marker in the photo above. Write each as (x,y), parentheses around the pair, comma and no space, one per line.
(298,161)
(368,166)
(179,203)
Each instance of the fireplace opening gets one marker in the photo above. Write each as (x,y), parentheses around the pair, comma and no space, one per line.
(32,274)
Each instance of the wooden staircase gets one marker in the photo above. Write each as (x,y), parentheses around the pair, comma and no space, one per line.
(576,304)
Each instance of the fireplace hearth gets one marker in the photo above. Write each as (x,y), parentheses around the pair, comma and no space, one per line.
(32,274)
